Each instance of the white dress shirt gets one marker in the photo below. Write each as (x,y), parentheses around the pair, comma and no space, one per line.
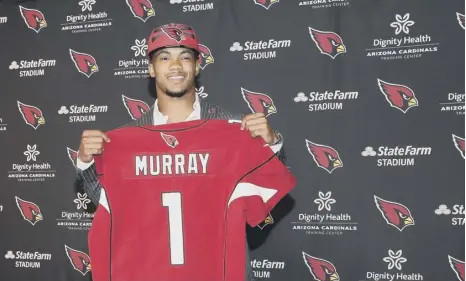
(160,119)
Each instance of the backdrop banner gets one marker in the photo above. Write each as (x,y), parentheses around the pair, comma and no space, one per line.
(368,95)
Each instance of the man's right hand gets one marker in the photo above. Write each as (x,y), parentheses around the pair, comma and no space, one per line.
(92,143)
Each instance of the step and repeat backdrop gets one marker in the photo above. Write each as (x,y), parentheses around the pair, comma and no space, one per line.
(369,96)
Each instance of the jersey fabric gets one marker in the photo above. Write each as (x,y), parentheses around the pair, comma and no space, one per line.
(176,199)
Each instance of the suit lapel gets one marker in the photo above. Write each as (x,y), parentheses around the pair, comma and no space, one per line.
(208,110)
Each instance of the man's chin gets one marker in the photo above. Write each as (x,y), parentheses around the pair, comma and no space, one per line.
(176,94)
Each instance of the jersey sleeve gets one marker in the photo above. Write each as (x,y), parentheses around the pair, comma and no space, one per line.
(266,181)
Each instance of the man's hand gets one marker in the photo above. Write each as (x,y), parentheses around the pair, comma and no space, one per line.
(92,143)
(257,125)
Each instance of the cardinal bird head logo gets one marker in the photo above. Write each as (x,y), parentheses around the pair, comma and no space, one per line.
(329,43)
(460,19)
(458,267)
(266,3)
(171,141)
(395,214)
(398,96)
(31,115)
(29,211)
(205,57)
(136,108)
(268,220)
(321,269)
(141,9)
(174,33)
(259,102)
(459,144)
(34,19)
(85,63)
(80,261)
(325,157)
(72,155)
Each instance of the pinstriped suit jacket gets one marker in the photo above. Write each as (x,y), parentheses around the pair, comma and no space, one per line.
(91,184)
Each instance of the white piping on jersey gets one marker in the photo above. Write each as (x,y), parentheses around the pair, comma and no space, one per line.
(244,189)
(103,200)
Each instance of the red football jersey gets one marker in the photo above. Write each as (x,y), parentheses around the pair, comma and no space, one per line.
(176,199)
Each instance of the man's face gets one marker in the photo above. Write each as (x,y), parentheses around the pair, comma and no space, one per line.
(174,70)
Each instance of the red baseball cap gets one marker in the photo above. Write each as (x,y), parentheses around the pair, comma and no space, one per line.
(172,35)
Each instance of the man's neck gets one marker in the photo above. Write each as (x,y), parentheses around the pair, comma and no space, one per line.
(176,109)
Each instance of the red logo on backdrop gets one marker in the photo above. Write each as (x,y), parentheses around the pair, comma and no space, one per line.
(29,211)
(459,144)
(80,261)
(34,19)
(325,157)
(460,19)
(259,103)
(266,3)
(321,270)
(268,220)
(329,43)
(73,155)
(398,96)
(31,115)
(136,108)
(395,214)
(85,63)
(458,267)
(171,141)
(141,9)
(206,57)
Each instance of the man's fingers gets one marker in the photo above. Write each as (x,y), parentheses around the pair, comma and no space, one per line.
(94,146)
(92,151)
(255,121)
(92,140)
(249,117)
(95,133)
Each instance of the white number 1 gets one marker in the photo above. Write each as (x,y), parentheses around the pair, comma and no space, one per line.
(172,200)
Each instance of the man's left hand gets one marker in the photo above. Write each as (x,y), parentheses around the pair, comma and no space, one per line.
(257,125)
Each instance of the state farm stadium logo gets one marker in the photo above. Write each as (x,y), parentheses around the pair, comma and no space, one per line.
(320,269)
(86,18)
(26,259)
(32,169)
(259,102)
(325,157)
(193,5)
(31,68)
(30,211)
(408,42)
(327,42)
(34,19)
(84,63)
(456,213)
(395,261)
(324,218)
(325,101)
(319,4)
(3,125)
(82,113)
(397,156)
(395,214)
(453,102)
(262,49)
(137,65)
(141,9)
(80,261)
(265,268)
(79,219)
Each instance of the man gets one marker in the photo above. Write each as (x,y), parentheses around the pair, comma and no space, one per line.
(173,51)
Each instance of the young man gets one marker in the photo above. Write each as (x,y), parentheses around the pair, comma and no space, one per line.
(174,52)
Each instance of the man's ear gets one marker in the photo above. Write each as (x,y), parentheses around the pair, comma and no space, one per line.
(198,68)
(151,70)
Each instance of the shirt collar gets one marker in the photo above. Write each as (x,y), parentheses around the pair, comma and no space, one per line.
(159,118)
